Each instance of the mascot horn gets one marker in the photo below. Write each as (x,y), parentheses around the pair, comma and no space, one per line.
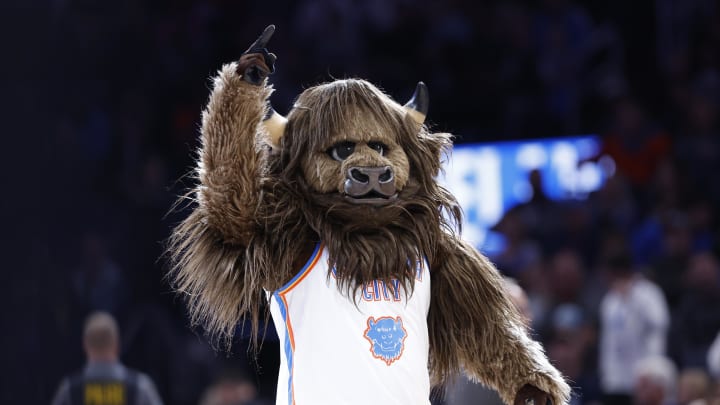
(343,232)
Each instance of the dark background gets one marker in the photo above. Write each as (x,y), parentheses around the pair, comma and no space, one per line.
(101,108)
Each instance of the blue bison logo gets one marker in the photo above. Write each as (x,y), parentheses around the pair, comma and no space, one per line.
(387,338)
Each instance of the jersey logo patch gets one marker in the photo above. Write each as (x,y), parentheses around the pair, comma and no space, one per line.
(387,338)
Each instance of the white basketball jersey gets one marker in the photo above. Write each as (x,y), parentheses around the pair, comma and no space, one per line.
(336,351)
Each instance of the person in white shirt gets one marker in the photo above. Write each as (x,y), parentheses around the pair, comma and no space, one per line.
(634,321)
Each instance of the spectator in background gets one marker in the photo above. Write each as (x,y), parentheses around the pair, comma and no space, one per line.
(570,349)
(636,145)
(232,389)
(672,252)
(702,217)
(697,319)
(693,387)
(613,205)
(713,358)
(655,382)
(539,214)
(565,277)
(521,252)
(104,380)
(519,299)
(634,320)
(698,150)
(99,283)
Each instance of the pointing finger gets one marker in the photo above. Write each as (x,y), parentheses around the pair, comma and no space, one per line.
(262,41)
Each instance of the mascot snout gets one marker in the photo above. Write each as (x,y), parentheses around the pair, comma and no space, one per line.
(370,185)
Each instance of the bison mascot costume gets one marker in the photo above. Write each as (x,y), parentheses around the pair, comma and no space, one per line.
(333,217)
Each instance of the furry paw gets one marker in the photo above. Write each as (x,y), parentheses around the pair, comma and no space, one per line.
(257,63)
(530,395)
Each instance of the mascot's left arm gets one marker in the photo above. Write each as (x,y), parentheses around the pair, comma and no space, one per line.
(209,247)
(475,329)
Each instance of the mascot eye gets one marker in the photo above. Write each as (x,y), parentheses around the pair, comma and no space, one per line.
(341,151)
(378,147)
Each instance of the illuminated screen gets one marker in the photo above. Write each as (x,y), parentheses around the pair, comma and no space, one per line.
(489,178)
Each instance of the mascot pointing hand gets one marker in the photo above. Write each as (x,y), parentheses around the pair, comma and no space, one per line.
(333,217)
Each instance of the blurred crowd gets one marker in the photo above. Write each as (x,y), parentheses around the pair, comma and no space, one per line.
(122,87)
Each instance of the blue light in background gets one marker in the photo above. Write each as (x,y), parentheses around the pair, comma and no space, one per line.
(490,178)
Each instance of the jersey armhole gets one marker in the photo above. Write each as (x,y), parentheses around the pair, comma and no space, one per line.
(304,271)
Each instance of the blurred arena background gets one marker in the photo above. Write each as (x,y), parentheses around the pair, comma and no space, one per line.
(103,102)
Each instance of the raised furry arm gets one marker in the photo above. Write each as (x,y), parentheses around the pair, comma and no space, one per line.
(229,159)
(207,249)
(474,328)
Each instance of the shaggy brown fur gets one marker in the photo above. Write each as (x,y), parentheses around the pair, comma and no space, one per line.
(259,214)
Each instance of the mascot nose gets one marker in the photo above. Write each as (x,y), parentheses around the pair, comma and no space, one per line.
(375,174)
(366,180)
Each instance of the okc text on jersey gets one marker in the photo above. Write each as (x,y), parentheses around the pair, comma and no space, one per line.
(378,290)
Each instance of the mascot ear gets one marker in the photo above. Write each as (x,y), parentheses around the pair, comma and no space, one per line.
(418,105)
(274,124)
(371,322)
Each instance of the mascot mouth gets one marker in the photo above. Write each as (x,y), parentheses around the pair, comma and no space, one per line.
(388,347)
(372,198)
